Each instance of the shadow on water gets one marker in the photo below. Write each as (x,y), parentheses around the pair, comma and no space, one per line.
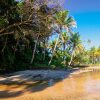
(32,87)
(13,88)
(8,94)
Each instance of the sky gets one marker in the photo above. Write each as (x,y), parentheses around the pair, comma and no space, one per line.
(87,15)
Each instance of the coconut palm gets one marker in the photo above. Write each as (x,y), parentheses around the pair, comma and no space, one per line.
(98,54)
(95,55)
(75,44)
(63,22)
(92,54)
(64,41)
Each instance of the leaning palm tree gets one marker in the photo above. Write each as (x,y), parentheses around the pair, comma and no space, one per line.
(75,44)
(63,22)
(64,41)
(51,45)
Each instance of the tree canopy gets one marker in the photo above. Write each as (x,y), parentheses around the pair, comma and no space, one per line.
(36,33)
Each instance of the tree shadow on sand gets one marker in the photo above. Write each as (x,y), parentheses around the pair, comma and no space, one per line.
(15,88)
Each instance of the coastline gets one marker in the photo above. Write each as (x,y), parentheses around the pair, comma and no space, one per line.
(42,75)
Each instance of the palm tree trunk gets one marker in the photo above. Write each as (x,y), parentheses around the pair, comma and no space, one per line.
(93,58)
(71,57)
(34,50)
(54,49)
(64,48)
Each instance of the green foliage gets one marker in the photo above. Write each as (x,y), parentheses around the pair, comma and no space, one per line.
(24,34)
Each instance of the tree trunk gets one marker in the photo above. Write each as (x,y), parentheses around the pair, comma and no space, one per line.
(44,55)
(64,58)
(93,59)
(54,49)
(44,51)
(71,57)
(34,50)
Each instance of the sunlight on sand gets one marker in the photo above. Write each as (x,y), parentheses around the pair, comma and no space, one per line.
(78,87)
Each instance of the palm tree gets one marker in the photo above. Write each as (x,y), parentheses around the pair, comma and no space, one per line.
(52,45)
(75,44)
(95,55)
(64,41)
(64,22)
(92,54)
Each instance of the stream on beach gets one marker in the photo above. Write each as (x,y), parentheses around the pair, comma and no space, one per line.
(84,86)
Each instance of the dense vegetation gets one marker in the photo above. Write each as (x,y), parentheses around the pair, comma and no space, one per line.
(39,34)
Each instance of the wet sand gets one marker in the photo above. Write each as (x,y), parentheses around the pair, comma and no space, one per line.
(84,86)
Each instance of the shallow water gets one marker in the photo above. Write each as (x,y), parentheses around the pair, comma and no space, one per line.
(78,87)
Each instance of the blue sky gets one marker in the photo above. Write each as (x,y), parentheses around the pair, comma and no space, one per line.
(87,15)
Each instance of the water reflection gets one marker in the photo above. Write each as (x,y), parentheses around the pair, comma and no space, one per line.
(78,87)
(85,86)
